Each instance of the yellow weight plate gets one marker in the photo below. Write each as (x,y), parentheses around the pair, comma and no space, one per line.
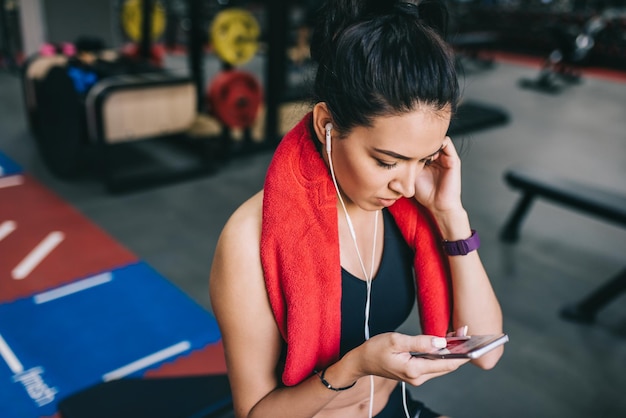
(132,19)
(235,35)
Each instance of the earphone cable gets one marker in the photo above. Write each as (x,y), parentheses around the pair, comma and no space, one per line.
(368,277)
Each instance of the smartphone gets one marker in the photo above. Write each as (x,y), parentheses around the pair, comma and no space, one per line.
(466,347)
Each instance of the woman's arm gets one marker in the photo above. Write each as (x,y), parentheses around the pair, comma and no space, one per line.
(252,342)
(474,302)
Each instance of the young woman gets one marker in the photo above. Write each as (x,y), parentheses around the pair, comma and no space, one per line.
(360,216)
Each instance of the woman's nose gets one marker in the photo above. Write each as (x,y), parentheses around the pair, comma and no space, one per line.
(404,182)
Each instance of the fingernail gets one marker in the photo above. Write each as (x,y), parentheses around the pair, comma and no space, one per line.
(462,332)
(439,342)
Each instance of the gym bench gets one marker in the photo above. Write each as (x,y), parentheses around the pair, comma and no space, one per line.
(604,204)
(159,108)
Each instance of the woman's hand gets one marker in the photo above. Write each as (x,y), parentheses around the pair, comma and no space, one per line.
(388,355)
(438,185)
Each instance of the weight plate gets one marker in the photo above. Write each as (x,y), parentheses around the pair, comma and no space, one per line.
(234,33)
(235,97)
(132,19)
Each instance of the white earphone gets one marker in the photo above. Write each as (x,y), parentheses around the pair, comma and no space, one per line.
(329,127)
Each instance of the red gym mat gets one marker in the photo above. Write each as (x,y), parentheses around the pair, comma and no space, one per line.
(44,242)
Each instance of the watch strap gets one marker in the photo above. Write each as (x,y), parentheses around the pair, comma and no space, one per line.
(464,246)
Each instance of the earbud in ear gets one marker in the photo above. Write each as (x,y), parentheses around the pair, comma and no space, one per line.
(329,127)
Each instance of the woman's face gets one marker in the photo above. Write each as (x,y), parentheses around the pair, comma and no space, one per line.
(377,165)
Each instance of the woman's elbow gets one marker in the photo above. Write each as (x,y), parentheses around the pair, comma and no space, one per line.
(489,360)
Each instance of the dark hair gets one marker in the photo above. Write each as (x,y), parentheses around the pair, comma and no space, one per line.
(378,58)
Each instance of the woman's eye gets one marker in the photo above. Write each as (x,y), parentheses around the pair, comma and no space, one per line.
(431,159)
(385,165)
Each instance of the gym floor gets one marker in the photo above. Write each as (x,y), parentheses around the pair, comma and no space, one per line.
(551,367)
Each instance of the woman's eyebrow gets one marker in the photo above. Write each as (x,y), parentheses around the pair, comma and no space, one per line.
(392,154)
(404,157)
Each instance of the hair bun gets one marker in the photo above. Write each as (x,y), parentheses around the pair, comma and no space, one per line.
(382,57)
(434,13)
(336,15)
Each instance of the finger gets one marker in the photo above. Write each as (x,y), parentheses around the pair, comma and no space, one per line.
(422,369)
(448,147)
(424,377)
(447,141)
(425,343)
(460,332)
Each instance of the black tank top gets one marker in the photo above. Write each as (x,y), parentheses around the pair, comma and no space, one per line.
(393,292)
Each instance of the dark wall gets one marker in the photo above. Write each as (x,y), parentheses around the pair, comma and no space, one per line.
(66,20)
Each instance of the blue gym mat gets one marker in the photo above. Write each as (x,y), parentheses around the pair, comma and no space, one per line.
(112,325)
(8,167)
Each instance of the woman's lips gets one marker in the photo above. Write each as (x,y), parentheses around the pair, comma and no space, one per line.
(386,202)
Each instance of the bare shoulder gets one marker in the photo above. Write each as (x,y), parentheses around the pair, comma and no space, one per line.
(241,306)
(246,219)
(238,245)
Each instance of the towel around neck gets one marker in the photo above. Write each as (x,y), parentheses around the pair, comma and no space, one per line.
(300,256)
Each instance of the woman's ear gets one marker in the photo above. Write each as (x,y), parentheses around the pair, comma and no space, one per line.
(321,116)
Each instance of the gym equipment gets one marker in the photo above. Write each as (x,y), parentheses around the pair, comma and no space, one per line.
(70,146)
(234,97)
(289,114)
(151,105)
(159,107)
(234,34)
(275,83)
(60,126)
(470,50)
(562,67)
(473,116)
(155,57)
(64,48)
(604,204)
(34,70)
(54,88)
(132,19)
(78,131)
(83,79)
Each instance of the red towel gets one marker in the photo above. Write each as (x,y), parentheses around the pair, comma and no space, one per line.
(300,256)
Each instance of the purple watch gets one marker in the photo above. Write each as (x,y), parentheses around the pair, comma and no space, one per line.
(463,246)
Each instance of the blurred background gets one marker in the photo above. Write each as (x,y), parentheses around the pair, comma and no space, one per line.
(132,129)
